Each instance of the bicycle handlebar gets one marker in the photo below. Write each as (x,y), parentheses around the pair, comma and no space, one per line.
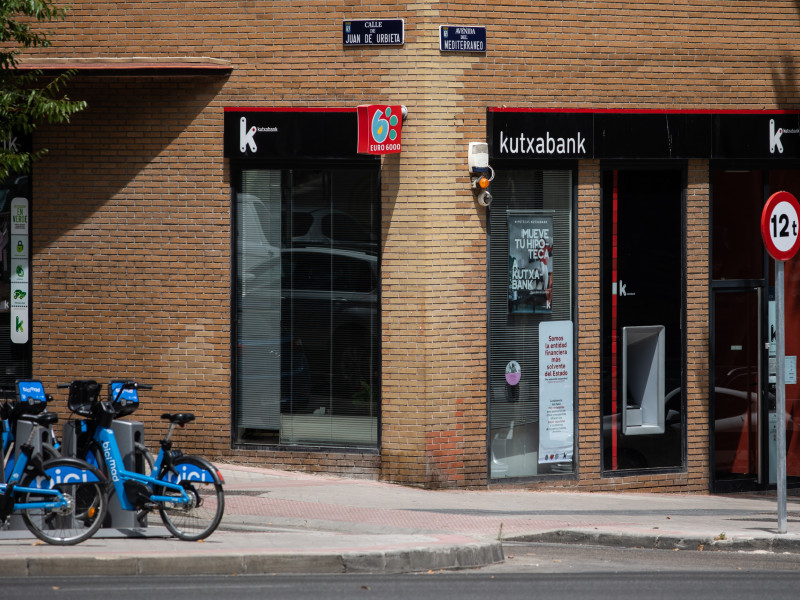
(65,386)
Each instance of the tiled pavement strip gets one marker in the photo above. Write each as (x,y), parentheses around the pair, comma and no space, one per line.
(278,521)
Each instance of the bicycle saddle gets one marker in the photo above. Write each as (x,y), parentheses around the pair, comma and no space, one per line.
(179,418)
(43,419)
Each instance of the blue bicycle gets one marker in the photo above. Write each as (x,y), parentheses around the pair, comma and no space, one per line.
(186,490)
(32,391)
(63,501)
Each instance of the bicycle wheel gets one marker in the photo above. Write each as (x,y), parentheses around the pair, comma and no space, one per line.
(200,517)
(74,523)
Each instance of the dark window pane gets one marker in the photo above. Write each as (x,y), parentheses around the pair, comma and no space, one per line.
(737,248)
(642,246)
(317,318)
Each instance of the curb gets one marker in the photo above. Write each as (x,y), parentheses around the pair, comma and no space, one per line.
(392,561)
(789,544)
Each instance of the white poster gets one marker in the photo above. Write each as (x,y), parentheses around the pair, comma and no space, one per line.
(556,366)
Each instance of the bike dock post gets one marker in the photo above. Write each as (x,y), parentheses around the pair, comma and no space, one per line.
(15,522)
(127,434)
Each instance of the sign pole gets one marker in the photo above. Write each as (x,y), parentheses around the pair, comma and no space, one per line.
(780,388)
(780,230)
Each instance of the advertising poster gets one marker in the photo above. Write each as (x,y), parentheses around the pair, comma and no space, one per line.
(556,366)
(530,262)
(20,261)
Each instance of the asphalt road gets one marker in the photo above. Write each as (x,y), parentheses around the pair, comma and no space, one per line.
(459,586)
(531,571)
(574,558)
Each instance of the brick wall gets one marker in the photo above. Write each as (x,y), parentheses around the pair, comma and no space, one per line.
(698,323)
(132,239)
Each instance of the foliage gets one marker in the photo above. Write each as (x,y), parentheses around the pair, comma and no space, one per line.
(25,101)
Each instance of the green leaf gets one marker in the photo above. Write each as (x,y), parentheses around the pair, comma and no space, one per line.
(27,99)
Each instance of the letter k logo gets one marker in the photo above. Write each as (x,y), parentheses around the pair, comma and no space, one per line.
(246,138)
(775,138)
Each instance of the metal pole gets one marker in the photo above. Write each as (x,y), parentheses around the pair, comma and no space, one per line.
(780,389)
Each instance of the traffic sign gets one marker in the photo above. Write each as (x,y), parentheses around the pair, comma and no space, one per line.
(780,229)
(780,225)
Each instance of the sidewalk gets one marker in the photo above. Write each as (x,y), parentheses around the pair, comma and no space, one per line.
(284,522)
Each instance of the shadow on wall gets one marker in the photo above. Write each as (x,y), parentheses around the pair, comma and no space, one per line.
(131,126)
(784,79)
(785,84)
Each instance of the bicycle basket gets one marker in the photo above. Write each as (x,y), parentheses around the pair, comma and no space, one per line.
(31,398)
(126,401)
(83,396)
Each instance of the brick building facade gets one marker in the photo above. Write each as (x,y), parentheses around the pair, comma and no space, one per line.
(137,258)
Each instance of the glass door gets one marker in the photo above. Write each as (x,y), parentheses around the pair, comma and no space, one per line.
(743,399)
(737,396)
(738,409)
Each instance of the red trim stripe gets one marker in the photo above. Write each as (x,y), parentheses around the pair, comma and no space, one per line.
(298,109)
(614,336)
(643,111)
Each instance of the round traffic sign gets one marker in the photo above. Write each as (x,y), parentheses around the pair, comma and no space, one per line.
(780,225)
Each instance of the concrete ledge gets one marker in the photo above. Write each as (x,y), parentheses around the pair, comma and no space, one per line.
(399,561)
(790,543)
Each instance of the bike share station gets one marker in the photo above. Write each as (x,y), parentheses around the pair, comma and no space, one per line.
(128,433)
(118,522)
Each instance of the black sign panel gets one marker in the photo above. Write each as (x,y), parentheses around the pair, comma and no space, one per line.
(462,38)
(372,32)
(545,135)
(291,134)
(659,135)
(643,135)
(756,136)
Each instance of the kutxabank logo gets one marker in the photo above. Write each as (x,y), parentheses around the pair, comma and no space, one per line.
(247,137)
(546,144)
(775,136)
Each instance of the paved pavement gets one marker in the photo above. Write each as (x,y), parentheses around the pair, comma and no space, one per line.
(285,522)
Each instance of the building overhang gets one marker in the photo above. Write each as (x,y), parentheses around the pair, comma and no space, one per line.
(132,66)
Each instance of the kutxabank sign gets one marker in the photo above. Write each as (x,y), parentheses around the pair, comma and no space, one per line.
(546,134)
(541,135)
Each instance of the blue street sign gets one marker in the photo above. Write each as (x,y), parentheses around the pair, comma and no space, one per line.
(372,32)
(462,38)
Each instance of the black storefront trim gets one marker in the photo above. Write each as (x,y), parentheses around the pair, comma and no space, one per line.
(544,134)
(293,134)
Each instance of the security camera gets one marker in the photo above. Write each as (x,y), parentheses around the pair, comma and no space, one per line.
(484,198)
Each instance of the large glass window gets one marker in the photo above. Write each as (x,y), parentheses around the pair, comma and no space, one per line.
(531,340)
(307,329)
(642,285)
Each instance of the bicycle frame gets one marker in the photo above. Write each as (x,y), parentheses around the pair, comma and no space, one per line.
(64,473)
(26,389)
(113,457)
